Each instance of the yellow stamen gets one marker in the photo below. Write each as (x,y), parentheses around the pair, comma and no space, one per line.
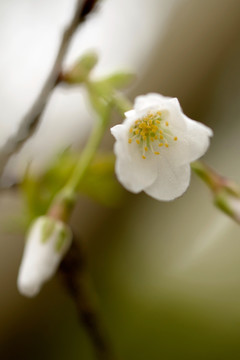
(160,144)
(166,123)
(156,153)
(136,132)
(144,157)
(146,149)
(161,137)
(131,130)
(137,141)
(166,145)
(129,141)
(175,138)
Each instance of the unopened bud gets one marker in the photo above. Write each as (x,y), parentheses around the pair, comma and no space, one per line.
(47,242)
(81,69)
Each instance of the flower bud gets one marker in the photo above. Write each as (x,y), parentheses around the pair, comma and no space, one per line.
(81,69)
(47,242)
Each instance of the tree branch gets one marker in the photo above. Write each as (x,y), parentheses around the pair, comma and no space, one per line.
(31,120)
(74,272)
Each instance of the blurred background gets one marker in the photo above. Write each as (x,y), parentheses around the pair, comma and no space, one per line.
(166,275)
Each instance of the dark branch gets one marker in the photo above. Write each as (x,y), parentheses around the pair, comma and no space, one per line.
(74,272)
(31,120)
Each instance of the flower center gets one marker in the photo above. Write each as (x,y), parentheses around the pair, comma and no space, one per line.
(151,133)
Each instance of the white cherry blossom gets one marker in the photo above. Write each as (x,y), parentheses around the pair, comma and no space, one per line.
(155,145)
(46,244)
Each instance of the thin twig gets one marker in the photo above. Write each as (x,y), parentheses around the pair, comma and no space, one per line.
(74,272)
(31,120)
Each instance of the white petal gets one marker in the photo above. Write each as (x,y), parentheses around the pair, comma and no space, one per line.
(171,181)
(152,99)
(132,171)
(135,175)
(169,107)
(192,143)
(198,136)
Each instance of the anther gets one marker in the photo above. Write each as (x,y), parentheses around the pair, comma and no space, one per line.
(144,157)
(129,141)
(156,153)
(175,138)
(137,141)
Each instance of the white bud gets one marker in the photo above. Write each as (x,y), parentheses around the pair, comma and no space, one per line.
(47,242)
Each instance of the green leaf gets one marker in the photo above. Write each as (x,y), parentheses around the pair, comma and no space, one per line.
(39,190)
(119,80)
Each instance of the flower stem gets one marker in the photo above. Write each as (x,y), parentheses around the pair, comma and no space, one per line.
(65,200)
(226,193)
(87,156)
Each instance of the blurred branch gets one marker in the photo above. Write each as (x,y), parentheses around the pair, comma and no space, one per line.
(31,120)
(74,272)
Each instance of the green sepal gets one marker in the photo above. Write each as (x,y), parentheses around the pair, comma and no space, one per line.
(62,237)
(118,80)
(47,229)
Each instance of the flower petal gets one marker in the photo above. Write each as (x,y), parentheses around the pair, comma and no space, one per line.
(198,137)
(170,108)
(132,171)
(170,183)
